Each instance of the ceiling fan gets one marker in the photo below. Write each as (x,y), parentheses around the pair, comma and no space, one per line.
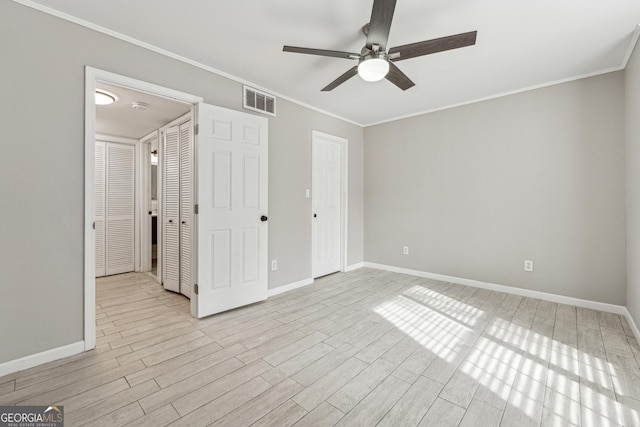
(375,62)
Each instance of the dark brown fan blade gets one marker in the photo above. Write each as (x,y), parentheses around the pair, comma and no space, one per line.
(321,52)
(433,46)
(343,78)
(380,23)
(398,78)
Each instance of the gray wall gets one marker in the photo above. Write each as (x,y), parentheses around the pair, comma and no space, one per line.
(475,190)
(42,171)
(632,86)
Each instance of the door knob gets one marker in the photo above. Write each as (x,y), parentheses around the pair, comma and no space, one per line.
(263,218)
(315,215)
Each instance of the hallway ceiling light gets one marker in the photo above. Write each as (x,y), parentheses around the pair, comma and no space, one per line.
(104,98)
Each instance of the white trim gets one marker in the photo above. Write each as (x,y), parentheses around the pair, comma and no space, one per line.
(144,163)
(631,47)
(354,267)
(344,193)
(175,122)
(40,358)
(561,299)
(148,46)
(118,139)
(290,287)
(167,53)
(496,96)
(632,323)
(89,210)
(134,41)
(91,76)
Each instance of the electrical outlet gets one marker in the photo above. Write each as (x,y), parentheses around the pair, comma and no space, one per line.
(307,193)
(274,264)
(405,250)
(528,265)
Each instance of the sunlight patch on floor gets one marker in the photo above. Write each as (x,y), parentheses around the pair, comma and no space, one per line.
(513,364)
(436,332)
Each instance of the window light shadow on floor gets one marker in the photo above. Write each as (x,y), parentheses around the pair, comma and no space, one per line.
(536,362)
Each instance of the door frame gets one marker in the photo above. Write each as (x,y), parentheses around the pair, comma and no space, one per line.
(344,194)
(92,75)
(144,151)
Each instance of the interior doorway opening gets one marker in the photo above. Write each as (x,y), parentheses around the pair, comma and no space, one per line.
(124,127)
(129,138)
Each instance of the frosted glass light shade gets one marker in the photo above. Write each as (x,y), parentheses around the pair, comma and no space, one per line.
(374,69)
(104,98)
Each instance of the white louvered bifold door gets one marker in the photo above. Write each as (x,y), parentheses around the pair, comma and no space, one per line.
(186,202)
(120,208)
(171,217)
(99,208)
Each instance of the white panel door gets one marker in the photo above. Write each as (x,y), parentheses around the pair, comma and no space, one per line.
(326,202)
(120,208)
(186,203)
(171,210)
(100,208)
(232,162)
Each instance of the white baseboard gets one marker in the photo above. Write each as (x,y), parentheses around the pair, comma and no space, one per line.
(610,308)
(40,358)
(353,267)
(289,287)
(632,323)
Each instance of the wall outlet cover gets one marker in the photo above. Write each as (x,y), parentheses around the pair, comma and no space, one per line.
(528,265)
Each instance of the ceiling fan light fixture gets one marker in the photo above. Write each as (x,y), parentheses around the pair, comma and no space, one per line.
(373,69)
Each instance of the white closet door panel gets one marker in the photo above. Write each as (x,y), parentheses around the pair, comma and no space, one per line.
(185,260)
(232,194)
(120,246)
(172,173)
(326,188)
(171,263)
(100,208)
(186,203)
(120,208)
(171,209)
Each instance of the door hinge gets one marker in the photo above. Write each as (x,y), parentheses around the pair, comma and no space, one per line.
(195,209)
(196,129)
(195,288)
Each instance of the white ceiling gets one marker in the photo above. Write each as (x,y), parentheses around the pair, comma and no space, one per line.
(121,119)
(520,45)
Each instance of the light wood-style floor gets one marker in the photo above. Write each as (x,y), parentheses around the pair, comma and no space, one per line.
(359,349)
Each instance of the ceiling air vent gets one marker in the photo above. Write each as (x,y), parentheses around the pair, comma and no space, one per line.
(259,101)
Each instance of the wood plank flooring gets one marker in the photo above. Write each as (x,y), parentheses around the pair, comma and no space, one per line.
(359,349)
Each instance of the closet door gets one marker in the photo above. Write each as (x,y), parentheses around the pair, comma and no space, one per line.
(120,208)
(171,207)
(186,202)
(99,208)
